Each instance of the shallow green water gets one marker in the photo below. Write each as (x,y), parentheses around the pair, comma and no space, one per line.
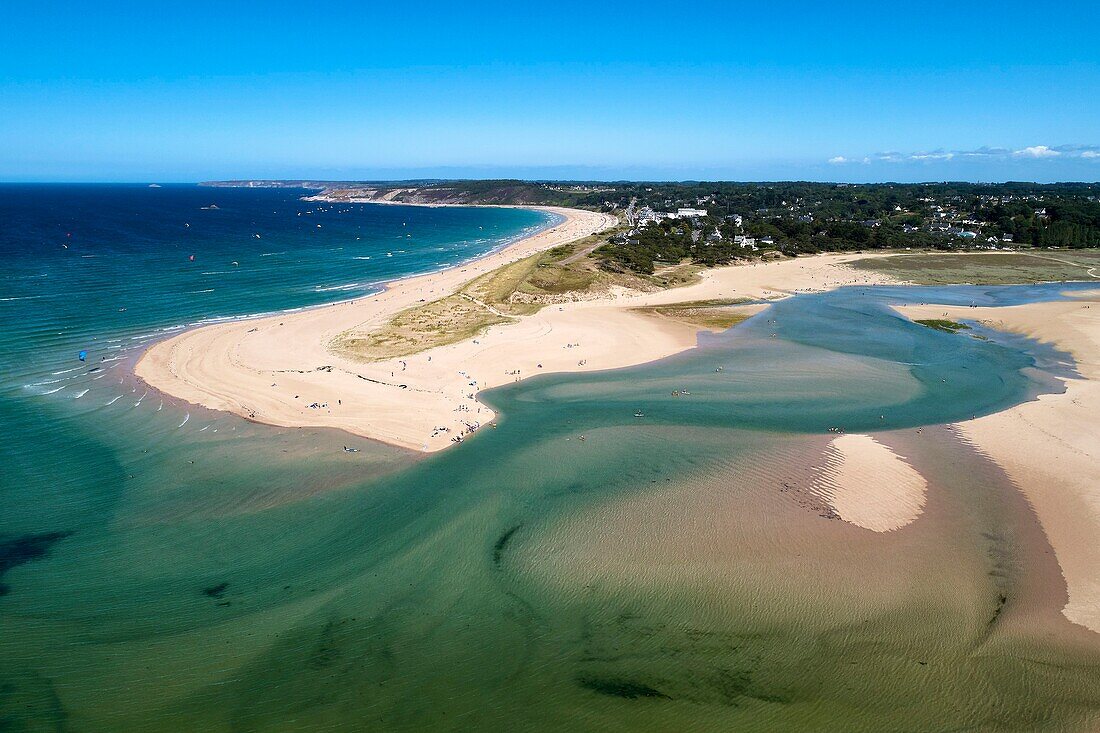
(666,573)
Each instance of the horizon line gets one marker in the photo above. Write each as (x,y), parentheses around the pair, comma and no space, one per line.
(609,181)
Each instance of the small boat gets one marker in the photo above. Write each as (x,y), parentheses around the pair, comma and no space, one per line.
(639,413)
(350,450)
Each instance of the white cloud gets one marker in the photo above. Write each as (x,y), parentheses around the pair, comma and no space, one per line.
(1037,151)
(935,155)
(1033,152)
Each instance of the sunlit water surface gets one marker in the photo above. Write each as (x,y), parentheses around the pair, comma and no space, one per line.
(169,568)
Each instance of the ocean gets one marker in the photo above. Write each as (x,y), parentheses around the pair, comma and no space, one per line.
(164,567)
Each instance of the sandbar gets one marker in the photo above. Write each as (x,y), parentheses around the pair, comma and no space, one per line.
(283,370)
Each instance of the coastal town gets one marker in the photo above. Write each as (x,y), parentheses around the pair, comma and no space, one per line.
(718,223)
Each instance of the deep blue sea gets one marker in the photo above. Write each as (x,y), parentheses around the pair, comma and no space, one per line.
(168,568)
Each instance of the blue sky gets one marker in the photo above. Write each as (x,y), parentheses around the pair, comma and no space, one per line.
(846,91)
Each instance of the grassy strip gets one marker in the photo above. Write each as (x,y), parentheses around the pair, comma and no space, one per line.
(1000,268)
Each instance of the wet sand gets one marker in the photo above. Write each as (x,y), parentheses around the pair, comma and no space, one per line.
(1050,447)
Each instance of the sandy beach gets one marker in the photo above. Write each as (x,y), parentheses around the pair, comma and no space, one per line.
(281,369)
(1050,447)
(267,369)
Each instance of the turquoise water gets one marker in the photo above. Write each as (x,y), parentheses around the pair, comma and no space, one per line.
(108,269)
(840,359)
(169,568)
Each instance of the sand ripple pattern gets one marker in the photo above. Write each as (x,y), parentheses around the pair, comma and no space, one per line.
(869,485)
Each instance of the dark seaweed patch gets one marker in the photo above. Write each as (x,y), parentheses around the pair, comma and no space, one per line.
(620,688)
(732,684)
(25,549)
(327,652)
(940,324)
(501,543)
(1001,601)
(29,702)
(216,591)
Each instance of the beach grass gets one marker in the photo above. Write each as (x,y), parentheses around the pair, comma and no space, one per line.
(674,276)
(993,268)
(438,323)
(554,279)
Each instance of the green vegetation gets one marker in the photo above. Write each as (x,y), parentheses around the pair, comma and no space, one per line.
(987,269)
(646,249)
(941,324)
(747,220)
